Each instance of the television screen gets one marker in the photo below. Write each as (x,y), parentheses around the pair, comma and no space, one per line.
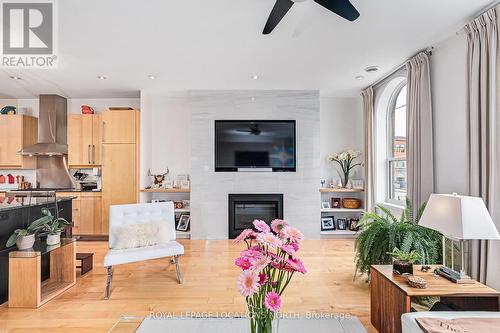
(241,145)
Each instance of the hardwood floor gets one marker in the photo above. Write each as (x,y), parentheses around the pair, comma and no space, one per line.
(209,286)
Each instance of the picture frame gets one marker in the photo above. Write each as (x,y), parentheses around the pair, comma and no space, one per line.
(325,205)
(336,202)
(354,224)
(341,224)
(327,223)
(183,223)
(358,184)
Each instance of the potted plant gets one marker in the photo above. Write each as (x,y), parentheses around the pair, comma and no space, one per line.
(53,226)
(346,161)
(25,238)
(402,261)
(381,233)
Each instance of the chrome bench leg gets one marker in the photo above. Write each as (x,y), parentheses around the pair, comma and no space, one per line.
(178,269)
(108,281)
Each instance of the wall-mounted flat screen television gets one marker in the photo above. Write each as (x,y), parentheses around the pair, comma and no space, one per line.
(255,145)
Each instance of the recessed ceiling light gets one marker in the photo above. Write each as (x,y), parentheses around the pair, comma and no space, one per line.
(255,77)
(151,77)
(371,69)
(102,77)
(13,77)
(359,77)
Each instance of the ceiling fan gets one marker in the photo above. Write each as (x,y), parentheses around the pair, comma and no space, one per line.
(343,8)
(252,129)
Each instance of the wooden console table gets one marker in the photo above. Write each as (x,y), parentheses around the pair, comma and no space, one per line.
(391,296)
(26,289)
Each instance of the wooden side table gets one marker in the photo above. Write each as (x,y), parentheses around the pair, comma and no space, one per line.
(26,290)
(391,296)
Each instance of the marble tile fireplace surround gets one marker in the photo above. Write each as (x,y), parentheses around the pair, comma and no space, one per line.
(210,190)
(244,208)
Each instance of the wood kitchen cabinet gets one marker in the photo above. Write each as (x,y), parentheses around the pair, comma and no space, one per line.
(120,126)
(84,140)
(87,210)
(120,164)
(16,133)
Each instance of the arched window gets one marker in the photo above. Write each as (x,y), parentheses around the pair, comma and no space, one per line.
(396,134)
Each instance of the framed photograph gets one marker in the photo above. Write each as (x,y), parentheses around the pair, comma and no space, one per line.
(358,184)
(336,202)
(325,205)
(183,223)
(341,224)
(353,225)
(327,223)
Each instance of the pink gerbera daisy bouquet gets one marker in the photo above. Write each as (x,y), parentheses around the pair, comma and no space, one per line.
(268,264)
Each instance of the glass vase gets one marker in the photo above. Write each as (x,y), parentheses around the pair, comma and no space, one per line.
(345,180)
(261,320)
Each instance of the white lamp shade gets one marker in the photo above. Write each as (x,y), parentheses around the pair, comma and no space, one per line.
(459,217)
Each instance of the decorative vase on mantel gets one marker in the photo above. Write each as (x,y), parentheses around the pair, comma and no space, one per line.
(346,160)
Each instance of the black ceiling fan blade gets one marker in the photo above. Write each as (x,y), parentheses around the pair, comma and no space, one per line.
(342,8)
(281,7)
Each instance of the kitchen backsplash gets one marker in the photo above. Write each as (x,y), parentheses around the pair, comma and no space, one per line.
(29,176)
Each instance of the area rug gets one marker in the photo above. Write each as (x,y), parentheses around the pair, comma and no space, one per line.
(240,325)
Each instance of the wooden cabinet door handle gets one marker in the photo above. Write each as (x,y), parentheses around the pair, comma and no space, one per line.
(88,154)
(93,154)
(102,132)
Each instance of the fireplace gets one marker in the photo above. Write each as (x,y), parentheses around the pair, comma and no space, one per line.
(244,208)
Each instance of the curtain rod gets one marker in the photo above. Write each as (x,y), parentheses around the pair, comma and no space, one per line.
(481,12)
(382,80)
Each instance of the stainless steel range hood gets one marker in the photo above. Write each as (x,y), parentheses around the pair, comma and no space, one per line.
(52,128)
(52,148)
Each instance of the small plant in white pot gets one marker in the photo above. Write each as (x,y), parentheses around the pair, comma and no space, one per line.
(53,227)
(25,238)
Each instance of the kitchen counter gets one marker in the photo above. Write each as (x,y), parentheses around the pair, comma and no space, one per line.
(57,191)
(7,204)
(18,213)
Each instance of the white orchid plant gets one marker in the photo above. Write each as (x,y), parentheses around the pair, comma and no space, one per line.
(346,160)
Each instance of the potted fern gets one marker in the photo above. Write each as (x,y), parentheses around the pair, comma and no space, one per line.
(382,233)
(402,263)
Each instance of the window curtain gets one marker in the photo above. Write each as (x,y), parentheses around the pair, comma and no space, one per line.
(483,101)
(369,147)
(420,165)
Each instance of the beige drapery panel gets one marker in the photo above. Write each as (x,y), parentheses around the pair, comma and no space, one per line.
(369,147)
(420,164)
(483,101)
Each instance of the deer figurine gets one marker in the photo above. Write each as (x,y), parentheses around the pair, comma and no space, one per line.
(158,179)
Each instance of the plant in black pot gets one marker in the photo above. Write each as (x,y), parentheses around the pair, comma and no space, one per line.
(402,261)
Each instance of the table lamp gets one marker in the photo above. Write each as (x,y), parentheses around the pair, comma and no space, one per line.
(458,218)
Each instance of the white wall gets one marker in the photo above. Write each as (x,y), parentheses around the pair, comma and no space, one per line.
(209,193)
(341,127)
(171,133)
(448,75)
(166,140)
